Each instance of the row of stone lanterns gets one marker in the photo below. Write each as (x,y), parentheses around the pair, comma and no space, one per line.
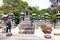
(12,18)
(22,16)
(45,18)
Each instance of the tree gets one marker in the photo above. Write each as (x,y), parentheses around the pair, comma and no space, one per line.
(0,12)
(15,6)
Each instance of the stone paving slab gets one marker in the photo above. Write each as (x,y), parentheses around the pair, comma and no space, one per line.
(18,37)
(24,37)
(21,37)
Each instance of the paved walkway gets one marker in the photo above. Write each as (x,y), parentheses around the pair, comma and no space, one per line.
(21,37)
(17,36)
(37,36)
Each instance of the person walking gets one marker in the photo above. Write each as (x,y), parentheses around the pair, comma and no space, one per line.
(8,28)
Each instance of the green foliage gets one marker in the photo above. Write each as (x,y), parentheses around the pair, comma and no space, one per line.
(0,12)
(15,6)
(52,15)
(17,14)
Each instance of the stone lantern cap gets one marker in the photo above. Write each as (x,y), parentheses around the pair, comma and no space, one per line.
(2,14)
(58,14)
(22,13)
(33,14)
(46,14)
(11,13)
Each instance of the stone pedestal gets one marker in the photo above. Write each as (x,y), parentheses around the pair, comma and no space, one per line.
(25,26)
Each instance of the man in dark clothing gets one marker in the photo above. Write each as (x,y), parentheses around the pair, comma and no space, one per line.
(8,27)
(8,24)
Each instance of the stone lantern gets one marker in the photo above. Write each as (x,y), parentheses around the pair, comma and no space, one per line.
(39,17)
(13,20)
(33,17)
(58,20)
(47,18)
(57,24)
(43,19)
(3,17)
(11,17)
(2,21)
(22,16)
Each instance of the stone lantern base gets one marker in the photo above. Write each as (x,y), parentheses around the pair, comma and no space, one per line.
(26,31)
(26,27)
